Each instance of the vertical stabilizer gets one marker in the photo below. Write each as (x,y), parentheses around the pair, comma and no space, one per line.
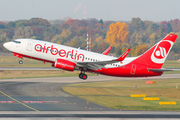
(156,55)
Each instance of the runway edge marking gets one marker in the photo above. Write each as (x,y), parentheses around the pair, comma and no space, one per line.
(19,102)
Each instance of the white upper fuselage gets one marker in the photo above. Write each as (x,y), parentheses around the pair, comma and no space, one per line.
(50,52)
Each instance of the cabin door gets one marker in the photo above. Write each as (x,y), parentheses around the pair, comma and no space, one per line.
(29,45)
(133,69)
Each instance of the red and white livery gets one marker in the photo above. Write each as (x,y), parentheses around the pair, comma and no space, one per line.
(69,58)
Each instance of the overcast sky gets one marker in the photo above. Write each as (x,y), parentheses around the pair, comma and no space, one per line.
(123,10)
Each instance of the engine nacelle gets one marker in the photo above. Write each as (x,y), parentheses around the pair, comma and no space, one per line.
(64,64)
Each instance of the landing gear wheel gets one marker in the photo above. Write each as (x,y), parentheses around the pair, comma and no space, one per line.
(83,76)
(80,75)
(20,62)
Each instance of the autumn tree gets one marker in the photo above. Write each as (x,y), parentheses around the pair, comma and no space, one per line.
(169,28)
(117,34)
(138,50)
(136,23)
(39,22)
(27,32)
(74,43)
(59,39)
(3,38)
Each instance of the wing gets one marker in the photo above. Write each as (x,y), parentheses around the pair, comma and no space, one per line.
(94,65)
(107,50)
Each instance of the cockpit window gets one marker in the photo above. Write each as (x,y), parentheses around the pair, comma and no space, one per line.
(18,42)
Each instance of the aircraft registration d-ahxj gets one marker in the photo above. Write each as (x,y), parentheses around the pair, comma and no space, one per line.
(69,58)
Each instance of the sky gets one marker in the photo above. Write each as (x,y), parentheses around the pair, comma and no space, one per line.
(116,10)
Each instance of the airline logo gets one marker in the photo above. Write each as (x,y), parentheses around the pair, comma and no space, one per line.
(161,51)
(61,52)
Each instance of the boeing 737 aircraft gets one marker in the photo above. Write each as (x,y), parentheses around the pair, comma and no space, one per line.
(69,58)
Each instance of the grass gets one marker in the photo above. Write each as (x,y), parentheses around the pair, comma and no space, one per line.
(116,94)
(8,74)
(11,61)
(171,64)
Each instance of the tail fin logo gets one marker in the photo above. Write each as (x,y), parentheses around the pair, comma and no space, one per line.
(161,51)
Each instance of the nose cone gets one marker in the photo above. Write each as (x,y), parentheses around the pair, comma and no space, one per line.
(7,45)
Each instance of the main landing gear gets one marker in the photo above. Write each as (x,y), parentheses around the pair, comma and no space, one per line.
(83,76)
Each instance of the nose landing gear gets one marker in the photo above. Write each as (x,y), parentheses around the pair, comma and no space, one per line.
(20,62)
(83,76)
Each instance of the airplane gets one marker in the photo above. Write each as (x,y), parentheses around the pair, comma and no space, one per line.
(69,58)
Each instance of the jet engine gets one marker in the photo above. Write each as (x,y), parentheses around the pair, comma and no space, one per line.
(64,64)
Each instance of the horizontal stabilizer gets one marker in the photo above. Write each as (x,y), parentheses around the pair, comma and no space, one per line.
(159,70)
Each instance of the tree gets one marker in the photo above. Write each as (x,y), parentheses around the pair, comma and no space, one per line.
(19,24)
(39,22)
(66,33)
(160,31)
(74,43)
(169,28)
(11,25)
(2,26)
(117,34)
(99,39)
(150,29)
(99,26)
(3,38)
(102,24)
(59,39)
(27,32)
(136,23)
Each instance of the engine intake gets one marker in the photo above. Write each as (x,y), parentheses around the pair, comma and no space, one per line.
(64,64)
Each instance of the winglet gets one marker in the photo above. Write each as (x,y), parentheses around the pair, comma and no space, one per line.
(123,56)
(107,50)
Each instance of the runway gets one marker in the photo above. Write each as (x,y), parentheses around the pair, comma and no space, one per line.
(29,68)
(30,96)
(43,97)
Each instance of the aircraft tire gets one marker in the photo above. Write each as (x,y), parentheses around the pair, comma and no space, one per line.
(20,62)
(80,75)
(84,77)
